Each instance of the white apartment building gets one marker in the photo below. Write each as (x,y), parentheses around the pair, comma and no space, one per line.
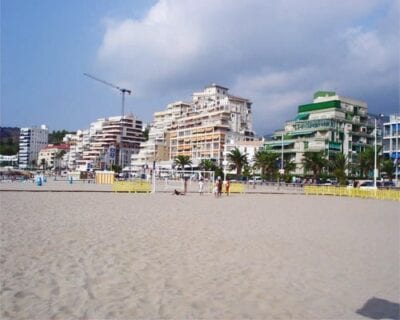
(156,147)
(199,129)
(112,141)
(31,141)
(215,117)
(53,156)
(77,142)
(391,135)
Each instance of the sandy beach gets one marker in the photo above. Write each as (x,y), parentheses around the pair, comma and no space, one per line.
(158,256)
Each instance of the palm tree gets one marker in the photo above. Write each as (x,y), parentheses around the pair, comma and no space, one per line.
(181,161)
(60,154)
(207,165)
(367,160)
(266,161)
(237,159)
(387,166)
(339,165)
(247,170)
(43,164)
(289,166)
(315,162)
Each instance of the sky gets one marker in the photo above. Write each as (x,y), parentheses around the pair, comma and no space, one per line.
(276,53)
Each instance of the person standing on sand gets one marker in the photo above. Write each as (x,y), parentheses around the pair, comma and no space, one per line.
(215,188)
(227,186)
(201,185)
(219,187)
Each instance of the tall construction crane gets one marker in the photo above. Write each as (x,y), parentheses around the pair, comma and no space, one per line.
(122,90)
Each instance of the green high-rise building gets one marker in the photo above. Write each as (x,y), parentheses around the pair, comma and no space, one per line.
(330,123)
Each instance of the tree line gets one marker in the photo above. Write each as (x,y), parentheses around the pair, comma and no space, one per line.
(9,139)
(316,165)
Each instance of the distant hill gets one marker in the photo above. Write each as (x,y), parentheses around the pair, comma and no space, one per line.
(9,140)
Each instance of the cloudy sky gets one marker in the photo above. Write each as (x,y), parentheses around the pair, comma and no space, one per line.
(276,53)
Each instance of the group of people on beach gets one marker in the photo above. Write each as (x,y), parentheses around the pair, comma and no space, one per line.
(217,190)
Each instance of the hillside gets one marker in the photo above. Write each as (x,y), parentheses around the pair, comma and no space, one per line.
(9,139)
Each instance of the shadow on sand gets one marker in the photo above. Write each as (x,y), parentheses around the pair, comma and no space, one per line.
(376,308)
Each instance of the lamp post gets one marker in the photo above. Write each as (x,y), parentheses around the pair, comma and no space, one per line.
(396,168)
(225,161)
(282,152)
(281,170)
(375,158)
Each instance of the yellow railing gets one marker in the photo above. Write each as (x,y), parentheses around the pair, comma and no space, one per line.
(381,194)
(131,186)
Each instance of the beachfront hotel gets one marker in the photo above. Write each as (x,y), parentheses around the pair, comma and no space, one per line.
(331,123)
(31,141)
(200,129)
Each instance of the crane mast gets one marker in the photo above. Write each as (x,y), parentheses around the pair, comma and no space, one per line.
(122,90)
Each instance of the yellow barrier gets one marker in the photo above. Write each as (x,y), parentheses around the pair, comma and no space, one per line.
(236,188)
(104,177)
(380,194)
(131,186)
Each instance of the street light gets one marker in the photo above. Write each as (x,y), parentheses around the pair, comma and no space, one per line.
(225,161)
(281,170)
(375,159)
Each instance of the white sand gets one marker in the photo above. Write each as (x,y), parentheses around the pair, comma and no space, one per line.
(125,256)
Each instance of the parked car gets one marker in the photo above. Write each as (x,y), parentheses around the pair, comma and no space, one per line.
(387,184)
(255,180)
(367,185)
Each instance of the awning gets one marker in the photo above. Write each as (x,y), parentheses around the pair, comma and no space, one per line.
(302,116)
(301,132)
(279,143)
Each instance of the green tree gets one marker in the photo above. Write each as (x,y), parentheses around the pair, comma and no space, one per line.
(237,160)
(56,137)
(315,162)
(289,166)
(367,160)
(146,133)
(207,165)
(116,168)
(247,171)
(43,164)
(265,160)
(60,154)
(388,168)
(181,161)
(9,147)
(339,164)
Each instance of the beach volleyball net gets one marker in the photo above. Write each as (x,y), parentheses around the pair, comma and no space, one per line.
(184,181)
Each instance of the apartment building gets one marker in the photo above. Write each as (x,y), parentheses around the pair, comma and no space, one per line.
(111,141)
(31,141)
(331,123)
(156,147)
(77,143)
(53,156)
(199,129)
(391,135)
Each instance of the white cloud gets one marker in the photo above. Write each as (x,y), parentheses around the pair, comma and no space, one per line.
(275,53)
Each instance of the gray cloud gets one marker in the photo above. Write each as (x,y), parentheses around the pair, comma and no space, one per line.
(276,53)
